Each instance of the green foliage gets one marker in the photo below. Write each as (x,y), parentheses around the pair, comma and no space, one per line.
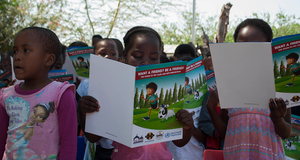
(147,103)
(282,70)
(141,101)
(136,98)
(174,99)
(161,97)
(288,72)
(166,100)
(200,79)
(170,97)
(179,93)
(276,71)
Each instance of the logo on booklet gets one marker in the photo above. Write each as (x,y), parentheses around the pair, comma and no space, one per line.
(287,102)
(172,134)
(295,99)
(138,139)
(149,136)
(159,135)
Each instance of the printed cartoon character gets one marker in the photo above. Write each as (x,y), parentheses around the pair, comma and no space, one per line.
(151,89)
(24,134)
(189,89)
(292,58)
(84,64)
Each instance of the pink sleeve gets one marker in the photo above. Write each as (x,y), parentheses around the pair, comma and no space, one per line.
(3,129)
(67,120)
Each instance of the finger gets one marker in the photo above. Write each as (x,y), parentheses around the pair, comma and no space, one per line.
(282,104)
(12,83)
(180,114)
(90,98)
(272,104)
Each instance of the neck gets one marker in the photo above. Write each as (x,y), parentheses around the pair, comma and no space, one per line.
(34,84)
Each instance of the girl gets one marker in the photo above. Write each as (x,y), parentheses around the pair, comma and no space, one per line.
(21,135)
(252,133)
(143,46)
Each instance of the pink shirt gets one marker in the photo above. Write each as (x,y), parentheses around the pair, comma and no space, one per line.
(148,152)
(59,130)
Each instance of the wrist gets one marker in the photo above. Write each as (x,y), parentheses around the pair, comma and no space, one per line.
(276,120)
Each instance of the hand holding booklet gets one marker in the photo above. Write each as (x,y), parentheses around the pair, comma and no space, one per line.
(249,74)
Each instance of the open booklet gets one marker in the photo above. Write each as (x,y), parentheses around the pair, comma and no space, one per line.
(139,104)
(245,72)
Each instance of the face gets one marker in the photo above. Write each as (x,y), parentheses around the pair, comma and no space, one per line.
(290,61)
(208,64)
(6,65)
(95,40)
(150,91)
(186,83)
(59,64)
(80,60)
(30,60)
(251,34)
(37,115)
(107,49)
(145,50)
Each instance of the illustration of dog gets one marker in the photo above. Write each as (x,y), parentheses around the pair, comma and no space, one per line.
(164,113)
(197,94)
(289,146)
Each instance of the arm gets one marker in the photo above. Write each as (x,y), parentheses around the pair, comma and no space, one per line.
(199,135)
(67,122)
(87,104)
(187,120)
(281,118)
(217,121)
(3,129)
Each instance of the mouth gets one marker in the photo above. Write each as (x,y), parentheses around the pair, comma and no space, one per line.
(17,67)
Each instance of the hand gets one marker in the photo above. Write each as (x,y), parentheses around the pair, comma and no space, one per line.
(213,100)
(142,97)
(11,83)
(185,118)
(282,67)
(279,111)
(78,81)
(88,104)
(295,69)
(152,101)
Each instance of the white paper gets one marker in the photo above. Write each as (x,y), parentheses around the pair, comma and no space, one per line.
(70,69)
(13,75)
(244,74)
(109,79)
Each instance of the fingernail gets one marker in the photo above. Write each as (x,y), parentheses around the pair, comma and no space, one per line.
(276,99)
(280,98)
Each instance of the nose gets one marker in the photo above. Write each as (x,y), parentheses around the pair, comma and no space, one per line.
(146,61)
(16,56)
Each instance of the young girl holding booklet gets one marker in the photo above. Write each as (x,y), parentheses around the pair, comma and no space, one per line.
(143,46)
(252,133)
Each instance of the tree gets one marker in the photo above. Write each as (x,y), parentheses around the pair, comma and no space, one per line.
(200,79)
(182,93)
(179,93)
(170,97)
(147,103)
(282,70)
(161,97)
(276,71)
(136,98)
(141,101)
(175,93)
(203,78)
(193,84)
(166,98)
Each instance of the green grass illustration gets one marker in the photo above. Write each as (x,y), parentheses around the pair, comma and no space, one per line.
(280,84)
(80,72)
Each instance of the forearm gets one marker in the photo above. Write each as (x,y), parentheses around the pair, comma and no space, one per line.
(218,123)
(3,129)
(199,135)
(187,134)
(282,128)
(91,137)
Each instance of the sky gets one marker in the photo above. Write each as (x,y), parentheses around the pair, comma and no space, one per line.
(242,8)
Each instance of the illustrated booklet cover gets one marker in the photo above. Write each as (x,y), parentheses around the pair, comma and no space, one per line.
(286,51)
(291,144)
(5,78)
(138,104)
(211,80)
(80,59)
(195,87)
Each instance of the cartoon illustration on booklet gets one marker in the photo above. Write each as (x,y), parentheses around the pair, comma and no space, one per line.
(195,86)
(286,51)
(81,60)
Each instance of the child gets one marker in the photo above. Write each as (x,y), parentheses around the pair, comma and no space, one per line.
(62,58)
(252,133)
(151,89)
(38,116)
(84,64)
(95,39)
(188,88)
(142,47)
(185,50)
(291,59)
(106,48)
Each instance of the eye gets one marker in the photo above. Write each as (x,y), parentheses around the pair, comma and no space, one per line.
(154,59)
(34,111)
(26,50)
(102,54)
(138,57)
(40,116)
(112,54)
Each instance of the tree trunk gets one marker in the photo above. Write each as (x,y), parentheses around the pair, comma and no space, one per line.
(223,23)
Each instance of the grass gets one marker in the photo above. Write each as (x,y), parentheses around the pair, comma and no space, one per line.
(154,122)
(195,103)
(293,154)
(80,72)
(280,84)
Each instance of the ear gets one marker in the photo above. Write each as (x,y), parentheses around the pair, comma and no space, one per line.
(50,59)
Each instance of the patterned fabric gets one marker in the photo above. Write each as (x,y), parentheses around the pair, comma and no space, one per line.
(251,135)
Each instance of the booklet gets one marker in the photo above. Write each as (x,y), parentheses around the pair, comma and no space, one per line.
(57,72)
(195,87)
(245,72)
(80,58)
(286,51)
(5,78)
(291,144)
(138,104)
(63,78)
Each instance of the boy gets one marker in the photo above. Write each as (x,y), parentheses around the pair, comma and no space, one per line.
(151,89)
(292,58)
(189,88)
(84,64)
